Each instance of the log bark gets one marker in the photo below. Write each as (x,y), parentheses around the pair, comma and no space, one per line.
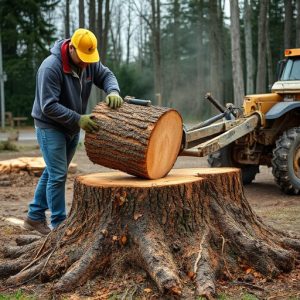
(140,140)
(192,227)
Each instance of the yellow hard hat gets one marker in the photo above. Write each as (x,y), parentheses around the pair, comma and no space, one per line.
(85,43)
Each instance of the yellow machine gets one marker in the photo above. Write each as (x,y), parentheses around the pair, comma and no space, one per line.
(266,131)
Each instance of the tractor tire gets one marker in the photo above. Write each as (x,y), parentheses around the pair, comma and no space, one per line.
(223,158)
(286,161)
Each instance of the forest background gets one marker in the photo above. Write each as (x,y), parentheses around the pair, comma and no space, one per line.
(169,51)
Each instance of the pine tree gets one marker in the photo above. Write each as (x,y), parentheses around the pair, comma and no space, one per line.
(27,34)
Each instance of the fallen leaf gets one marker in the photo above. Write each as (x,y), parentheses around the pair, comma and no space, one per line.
(147,290)
(123,240)
(176,290)
(140,279)
(191,275)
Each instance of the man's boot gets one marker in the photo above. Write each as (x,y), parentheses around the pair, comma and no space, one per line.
(39,226)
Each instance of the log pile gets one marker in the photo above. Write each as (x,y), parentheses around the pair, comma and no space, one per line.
(33,165)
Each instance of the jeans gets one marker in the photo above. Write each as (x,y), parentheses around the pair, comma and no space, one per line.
(58,150)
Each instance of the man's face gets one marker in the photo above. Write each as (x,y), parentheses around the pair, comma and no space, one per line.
(76,60)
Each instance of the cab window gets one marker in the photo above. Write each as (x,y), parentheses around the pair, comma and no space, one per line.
(295,71)
(291,70)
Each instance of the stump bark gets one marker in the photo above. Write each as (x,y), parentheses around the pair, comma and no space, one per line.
(192,227)
(140,140)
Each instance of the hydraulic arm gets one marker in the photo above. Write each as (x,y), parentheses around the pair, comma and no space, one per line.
(218,131)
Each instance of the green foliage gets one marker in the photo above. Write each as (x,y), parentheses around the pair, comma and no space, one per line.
(249,297)
(17,296)
(246,296)
(135,81)
(26,36)
(19,87)
(114,297)
(276,25)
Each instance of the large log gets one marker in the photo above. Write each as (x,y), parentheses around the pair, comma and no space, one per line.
(194,226)
(140,140)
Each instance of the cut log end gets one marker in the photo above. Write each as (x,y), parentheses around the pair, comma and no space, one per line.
(175,177)
(164,145)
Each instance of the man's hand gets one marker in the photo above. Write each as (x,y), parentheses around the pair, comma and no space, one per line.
(113,100)
(87,124)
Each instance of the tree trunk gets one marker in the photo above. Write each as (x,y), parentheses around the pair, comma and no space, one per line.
(237,70)
(261,56)
(155,32)
(92,16)
(99,27)
(298,24)
(67,19)
(215,45)
(221,53)
(115,34)
(140,140)
(288,23)
(81,13)
(269,57)
(191,228)
(102,28)
(175,53)
(201,61)
(105,31)
(248,48)
(129,32)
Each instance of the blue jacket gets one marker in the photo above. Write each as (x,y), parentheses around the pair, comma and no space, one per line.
(61,96)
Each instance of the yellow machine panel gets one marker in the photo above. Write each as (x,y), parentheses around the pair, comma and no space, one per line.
(260,102)
(292,52)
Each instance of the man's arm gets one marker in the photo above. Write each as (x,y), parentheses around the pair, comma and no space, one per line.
(105,79)
(49,89)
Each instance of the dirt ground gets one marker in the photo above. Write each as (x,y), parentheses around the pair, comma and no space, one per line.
(275,208)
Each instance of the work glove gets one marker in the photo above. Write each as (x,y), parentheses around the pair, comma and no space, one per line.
(113,100)
(87,124)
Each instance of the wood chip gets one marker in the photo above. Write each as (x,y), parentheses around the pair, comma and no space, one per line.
(104,232)
(136,216)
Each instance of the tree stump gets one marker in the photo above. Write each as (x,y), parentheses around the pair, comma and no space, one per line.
(140,140)
(194,226)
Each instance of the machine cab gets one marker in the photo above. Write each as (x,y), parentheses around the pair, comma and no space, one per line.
(288,75)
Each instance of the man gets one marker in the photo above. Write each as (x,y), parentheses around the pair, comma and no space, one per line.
(63,85)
